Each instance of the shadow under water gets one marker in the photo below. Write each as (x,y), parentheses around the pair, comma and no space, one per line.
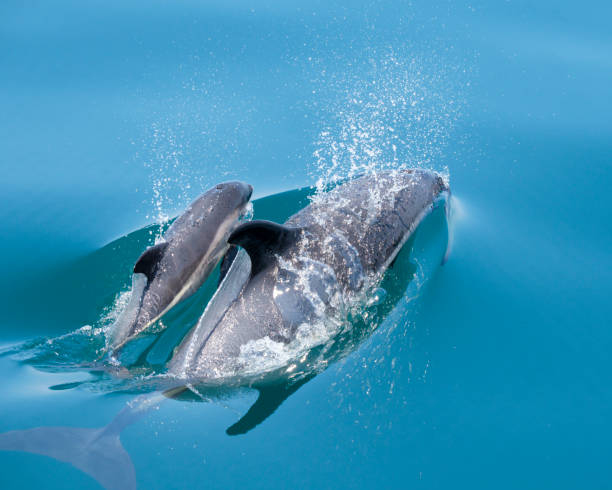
(98,452)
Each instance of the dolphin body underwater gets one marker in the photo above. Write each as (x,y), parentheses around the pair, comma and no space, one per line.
(175,268)
(310,271)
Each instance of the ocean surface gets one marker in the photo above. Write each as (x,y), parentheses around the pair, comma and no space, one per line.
(492,371)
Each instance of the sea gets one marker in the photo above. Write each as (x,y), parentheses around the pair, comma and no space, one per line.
(490,371)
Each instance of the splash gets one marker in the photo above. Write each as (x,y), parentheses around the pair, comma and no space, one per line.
(318,286)
(74,350)
(399,114)
(190,142)
(341,322)
(169,187)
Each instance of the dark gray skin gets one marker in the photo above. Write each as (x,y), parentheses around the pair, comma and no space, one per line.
(303,271)
(174,269)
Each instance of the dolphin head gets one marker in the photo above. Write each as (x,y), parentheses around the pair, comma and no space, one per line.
(234,194)
(221,201)
(221,204)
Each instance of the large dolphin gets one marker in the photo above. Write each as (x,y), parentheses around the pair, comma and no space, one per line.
(308,270)
(175,268)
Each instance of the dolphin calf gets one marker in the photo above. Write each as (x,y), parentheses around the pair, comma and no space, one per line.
(307,271)
(175,268)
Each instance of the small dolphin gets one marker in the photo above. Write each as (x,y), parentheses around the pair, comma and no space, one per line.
(174,269)
(307,270)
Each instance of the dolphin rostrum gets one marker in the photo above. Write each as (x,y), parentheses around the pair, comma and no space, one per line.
(175,268)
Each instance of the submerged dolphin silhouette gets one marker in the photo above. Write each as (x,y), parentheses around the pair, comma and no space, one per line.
(174,269)
(337,247)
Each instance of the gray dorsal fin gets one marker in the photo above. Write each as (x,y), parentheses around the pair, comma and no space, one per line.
(147,263)
(262,239)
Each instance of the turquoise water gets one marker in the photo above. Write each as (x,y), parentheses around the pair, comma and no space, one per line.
(489,372)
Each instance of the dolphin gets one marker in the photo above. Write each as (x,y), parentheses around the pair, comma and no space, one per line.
(311,269)
(174,269)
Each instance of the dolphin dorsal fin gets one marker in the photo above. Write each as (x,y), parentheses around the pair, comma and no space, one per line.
(148,261)
(262,239)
